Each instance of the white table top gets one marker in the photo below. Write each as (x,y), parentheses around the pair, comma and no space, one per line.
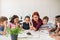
(40,35)
(34,33)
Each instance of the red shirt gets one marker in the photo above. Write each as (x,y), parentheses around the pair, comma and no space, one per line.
(37,25)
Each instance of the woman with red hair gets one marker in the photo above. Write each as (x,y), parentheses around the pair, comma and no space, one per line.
(36,20)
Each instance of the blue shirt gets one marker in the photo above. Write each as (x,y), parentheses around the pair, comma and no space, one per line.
(1,29)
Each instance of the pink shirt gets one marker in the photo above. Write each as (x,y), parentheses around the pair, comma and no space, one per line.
(11,25)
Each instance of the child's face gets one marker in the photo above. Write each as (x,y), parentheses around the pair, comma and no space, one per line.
(45,21)
(16,20)
(27,20)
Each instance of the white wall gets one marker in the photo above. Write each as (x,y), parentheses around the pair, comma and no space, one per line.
(22,7)
(0,7)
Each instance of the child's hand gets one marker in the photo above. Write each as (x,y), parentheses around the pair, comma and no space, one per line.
(31,27)
(5,23)
(59,32)
(16,24)
(3,33)
(58,25)
(34,28)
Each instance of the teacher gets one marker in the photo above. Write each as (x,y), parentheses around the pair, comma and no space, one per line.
(36,20)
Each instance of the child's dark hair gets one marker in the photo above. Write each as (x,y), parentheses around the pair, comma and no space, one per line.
(13,17)
(57,16)
(2,19)
(58,19)
(46,17)
(27,17)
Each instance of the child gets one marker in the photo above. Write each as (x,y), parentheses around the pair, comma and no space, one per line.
(52,30)
(45,25)
(58,28)
(26,25)
(56,34)
(3,24)
(14,22)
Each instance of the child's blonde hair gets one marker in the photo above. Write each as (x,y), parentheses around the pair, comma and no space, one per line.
(2,19)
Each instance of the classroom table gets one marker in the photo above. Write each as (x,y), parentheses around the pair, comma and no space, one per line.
(35,35)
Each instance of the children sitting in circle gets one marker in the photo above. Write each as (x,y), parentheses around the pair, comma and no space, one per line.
(37,23)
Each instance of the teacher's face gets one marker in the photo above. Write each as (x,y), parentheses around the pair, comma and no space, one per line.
(35,18)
